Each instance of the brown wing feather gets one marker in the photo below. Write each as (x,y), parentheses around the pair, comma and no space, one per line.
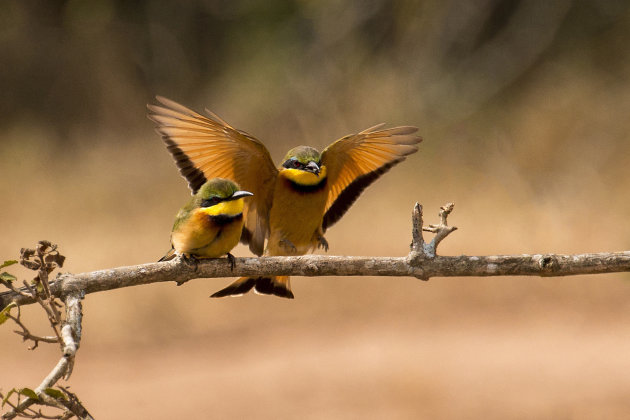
(206,147)
(356,161)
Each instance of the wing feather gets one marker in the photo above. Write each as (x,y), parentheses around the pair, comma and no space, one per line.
(206,147)
(355,161)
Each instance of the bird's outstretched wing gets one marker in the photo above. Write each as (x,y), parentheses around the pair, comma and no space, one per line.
(206,147)
(355,161)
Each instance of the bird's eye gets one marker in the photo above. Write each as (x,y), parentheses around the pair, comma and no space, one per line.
(296,164)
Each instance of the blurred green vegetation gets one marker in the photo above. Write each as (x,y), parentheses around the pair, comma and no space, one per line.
(69,64)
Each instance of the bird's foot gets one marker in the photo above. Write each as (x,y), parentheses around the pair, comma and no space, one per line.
(190,260)
(322,243)
(232,261)
(288,245)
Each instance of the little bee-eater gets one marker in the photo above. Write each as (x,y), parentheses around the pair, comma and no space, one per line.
(211,224)
(293,204)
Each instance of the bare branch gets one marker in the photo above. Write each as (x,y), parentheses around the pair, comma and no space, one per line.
(10,286)
(71,331)
(70,339)
(441,230)
(417,240)
(546,265)
(26,334)
(420,263)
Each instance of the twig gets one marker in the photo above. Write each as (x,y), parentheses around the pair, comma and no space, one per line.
(26,334)
(47,306)
(441,230)
(417,240)
(71,336)
(74,406)
(71,331)
(419,249)
(15,290)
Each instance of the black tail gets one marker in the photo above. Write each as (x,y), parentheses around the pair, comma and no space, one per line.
(239,287)
(278,286)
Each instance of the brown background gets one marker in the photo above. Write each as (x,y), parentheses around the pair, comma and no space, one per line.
(524,110)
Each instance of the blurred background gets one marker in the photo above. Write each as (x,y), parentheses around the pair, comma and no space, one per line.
(523,107)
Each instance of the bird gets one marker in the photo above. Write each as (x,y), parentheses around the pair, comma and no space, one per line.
(211,224)
(293,204)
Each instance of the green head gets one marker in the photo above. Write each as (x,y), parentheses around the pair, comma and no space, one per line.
(218,190)
(304,158)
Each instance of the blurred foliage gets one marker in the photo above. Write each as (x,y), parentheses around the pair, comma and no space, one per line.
(6,277)
(72,63)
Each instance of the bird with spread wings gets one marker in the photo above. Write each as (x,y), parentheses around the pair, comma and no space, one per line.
(293,204)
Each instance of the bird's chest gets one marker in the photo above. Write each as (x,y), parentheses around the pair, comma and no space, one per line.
(195,232)
(207,236)
(297,211)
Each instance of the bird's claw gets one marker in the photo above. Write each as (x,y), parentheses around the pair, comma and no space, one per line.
(190,260)
(323,243)
(288,245)
(232,261)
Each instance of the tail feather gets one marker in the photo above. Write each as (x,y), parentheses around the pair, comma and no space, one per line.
(238,288)
(279,286)
(168,256)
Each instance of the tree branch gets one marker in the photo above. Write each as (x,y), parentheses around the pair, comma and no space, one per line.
(422,262)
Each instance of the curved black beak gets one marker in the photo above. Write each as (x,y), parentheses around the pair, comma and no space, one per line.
(240,194)
(312,167)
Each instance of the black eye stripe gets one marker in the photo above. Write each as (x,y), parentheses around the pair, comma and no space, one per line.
(291,163)
(209,202)
(294,163)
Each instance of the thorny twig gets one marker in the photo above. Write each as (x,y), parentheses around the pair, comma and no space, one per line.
(44,259)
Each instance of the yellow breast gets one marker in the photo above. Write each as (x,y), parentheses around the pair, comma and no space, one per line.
(296,214)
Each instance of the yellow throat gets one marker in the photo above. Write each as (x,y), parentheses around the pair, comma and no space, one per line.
(303,177)
(225,208)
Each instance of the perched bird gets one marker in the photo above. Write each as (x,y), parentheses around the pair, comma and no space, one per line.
(293,204)
(211,224)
